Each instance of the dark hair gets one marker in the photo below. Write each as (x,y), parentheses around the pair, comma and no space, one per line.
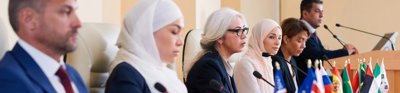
(15,6)
(307,5)
(292,26)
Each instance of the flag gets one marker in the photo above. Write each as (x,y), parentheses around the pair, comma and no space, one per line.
(309,84)
(356,80)
(349,69)
(384,85)
(346,81)
(361,76)
(377,80)
(327,82)
(318,76)
(336,80)
(377,71)
(279,83)
(368,78)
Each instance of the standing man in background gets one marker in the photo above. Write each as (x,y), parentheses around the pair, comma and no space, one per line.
(311,14)
(47,30)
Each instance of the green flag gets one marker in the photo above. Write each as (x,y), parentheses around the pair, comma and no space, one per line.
(346,82)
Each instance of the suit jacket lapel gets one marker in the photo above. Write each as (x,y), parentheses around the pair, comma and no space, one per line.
(234,90)
(317,40)
(32,69)
(225,75)
(76,79)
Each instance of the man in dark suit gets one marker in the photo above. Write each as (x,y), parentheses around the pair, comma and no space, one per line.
(47,29)
(311,15)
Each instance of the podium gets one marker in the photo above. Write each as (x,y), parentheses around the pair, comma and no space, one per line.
(391,61)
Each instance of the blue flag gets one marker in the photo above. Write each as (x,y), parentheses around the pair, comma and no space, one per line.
(308,84)
(279,83)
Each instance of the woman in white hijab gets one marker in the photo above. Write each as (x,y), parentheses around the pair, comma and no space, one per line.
(149,40)
(224,34)
(265,37)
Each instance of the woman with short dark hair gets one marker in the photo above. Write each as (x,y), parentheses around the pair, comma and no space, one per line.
(295,35)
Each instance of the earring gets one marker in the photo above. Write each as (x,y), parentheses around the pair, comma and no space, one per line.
(220,41)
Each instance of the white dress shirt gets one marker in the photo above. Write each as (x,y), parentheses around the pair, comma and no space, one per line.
(309,27)
(48,65)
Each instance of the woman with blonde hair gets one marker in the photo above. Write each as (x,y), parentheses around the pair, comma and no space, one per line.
(224,34)
(265,38)
(148,41)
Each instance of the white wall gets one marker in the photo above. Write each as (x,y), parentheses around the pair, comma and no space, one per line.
(204,8)
(100,11)
(112,12)
(90,10)
(255,10)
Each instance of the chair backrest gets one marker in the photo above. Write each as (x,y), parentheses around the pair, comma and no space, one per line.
(3,39)
(96,49)
(191,47)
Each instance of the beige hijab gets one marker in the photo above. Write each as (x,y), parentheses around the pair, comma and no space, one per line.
(254,61)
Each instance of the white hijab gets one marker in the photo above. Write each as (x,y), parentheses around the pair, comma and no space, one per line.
(138,47)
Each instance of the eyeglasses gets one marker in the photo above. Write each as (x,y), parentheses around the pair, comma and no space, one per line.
(240,32)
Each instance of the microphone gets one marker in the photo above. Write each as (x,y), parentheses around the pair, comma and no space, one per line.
(365,32)
(160,87)
(292,65)
(297,68)
(259,76)
(334,36)
(214,84)
(265,54)
(327,60)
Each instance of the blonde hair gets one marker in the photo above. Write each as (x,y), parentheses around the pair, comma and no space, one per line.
(215,28)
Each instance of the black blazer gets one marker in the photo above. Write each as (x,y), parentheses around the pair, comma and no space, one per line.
(287,77)
(315,50)
(126,79)
(207,68)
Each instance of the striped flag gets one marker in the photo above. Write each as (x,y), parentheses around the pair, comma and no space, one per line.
(279,83)
(336,80)
(368,78)
(327,82)
(318,76)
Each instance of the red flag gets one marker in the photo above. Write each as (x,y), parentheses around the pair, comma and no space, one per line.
(336,80)
(355,83)
(349,70)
